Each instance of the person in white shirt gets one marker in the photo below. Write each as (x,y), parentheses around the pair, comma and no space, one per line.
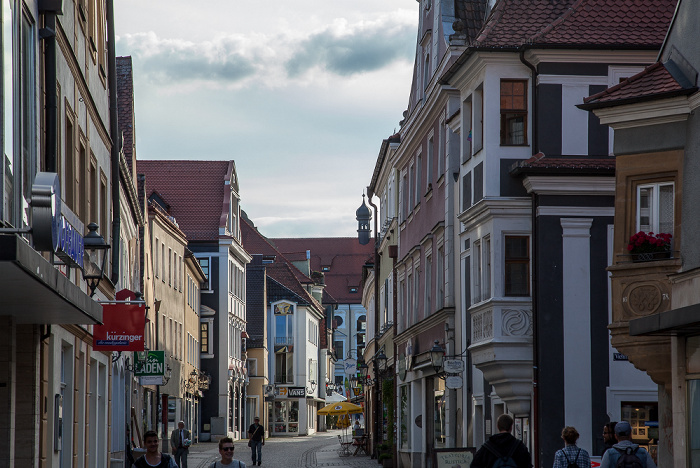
(226,452)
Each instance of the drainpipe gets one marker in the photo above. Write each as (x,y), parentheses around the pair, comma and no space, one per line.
(535,200)
(116,140)
(48,34)
(377,402)
(535,136)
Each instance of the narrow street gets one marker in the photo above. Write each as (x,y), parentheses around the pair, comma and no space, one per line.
(320,449)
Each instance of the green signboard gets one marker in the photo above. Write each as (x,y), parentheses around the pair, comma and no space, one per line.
(149,363)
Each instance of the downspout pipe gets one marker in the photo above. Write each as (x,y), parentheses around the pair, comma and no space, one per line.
(535,334)
(377,403)
(116,140)
(535,115)
(48,35)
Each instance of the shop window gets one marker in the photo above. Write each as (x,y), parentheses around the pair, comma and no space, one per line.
(285,417)
(655,207)
(513,112)
(640,415)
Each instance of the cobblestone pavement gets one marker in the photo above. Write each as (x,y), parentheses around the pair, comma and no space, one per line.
(317,450)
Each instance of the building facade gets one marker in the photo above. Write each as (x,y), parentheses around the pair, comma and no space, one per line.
(654,294)
(203,196)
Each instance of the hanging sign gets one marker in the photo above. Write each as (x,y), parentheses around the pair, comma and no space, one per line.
(149,363)
(453,381)
(453,366)
(123,328)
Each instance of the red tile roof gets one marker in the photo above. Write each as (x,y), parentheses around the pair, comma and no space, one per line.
(653,82)
(281,270)
(593,23)
(255,243)
(195,191)
(571,165)
(343,255)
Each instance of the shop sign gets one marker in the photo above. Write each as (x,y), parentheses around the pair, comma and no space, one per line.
(149,363)
(296,392)
(453,381)
(51,232)
(152,380)
(453,366)
(122,329)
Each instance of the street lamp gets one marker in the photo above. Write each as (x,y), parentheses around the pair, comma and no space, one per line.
(437,356)
(95,258)
(362,368)
(380,359)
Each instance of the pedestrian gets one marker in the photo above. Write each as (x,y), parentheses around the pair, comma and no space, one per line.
(153,458)
(180,444)
(226,452)
(609,435)
(634,455)
(256,439)
(571,455)
(502,447)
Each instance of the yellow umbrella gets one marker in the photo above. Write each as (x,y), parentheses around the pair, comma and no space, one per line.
(344,421)
(339,408)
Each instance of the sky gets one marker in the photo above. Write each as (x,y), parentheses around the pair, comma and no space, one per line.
(300,93)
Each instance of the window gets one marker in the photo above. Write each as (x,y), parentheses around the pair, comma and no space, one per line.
(104,206)
(513,112)
(478,120)
(467,132)
(440,278)
(655,207)
(94,199)
(429,164)
(339,351)
(428,300)
(170,267)
(517,266)
(476,251)
(83,188)
(419,177)
(486,258)
(411,188)
(204,263)
(442,144)
(69,158)
(157,262)
(204,337)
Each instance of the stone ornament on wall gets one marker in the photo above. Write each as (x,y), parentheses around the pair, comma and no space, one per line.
(516,322)
(482,326)
(646,298)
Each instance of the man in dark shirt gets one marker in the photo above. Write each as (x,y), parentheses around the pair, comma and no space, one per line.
(504,444)
(256,439)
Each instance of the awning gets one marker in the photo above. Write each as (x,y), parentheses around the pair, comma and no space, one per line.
(681,322)
(33,291)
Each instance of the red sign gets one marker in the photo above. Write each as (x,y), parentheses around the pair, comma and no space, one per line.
(123,328)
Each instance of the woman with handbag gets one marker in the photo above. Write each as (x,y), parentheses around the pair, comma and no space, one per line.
(256,439)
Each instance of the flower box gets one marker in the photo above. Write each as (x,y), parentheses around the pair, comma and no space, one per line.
(647,247)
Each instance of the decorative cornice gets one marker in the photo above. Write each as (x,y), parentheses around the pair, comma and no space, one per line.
(619,57)
(426,324)
(643,114)
(501,207)
(548,185)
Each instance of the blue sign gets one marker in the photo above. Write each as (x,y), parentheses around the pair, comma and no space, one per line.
(71,248)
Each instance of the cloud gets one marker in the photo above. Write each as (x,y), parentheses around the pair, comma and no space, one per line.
(345,49)
(236,61)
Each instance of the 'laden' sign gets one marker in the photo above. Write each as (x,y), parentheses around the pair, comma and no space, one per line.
(149,363)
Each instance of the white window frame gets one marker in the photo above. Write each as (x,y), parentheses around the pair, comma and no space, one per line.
(654,206)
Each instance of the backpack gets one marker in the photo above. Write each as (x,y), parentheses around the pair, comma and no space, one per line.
(571,464)
(629,459)
(501,460)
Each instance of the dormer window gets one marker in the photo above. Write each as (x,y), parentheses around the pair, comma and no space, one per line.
(353,289)
(325,268)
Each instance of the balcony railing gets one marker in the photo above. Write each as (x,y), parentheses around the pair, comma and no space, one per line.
(284,341)
(284,378)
